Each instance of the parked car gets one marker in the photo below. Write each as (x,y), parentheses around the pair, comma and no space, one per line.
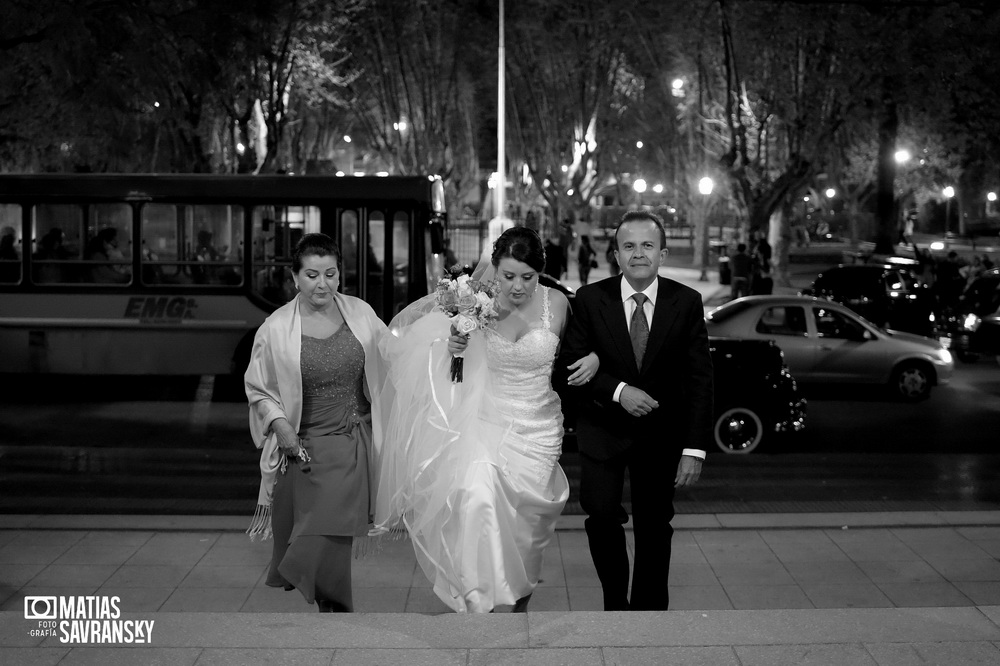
(973,324)
(886,294)
(755,396)
(826,342)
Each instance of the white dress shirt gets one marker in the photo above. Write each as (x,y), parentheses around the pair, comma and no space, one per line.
(628,306)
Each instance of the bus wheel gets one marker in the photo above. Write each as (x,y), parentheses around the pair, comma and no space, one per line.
(738,430)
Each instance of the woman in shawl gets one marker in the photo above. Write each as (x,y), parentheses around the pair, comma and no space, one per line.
(314,368)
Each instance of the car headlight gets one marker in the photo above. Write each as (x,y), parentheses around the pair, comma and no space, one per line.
(971,322)
(945,356)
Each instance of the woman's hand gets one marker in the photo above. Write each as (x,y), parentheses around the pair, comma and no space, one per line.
(457,343)
(288,440)
(584,370)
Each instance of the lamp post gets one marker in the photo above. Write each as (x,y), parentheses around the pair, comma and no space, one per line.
(948,193)
(639,186)
(705,187)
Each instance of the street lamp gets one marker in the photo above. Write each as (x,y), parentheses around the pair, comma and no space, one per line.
(902,156)
(948,193)
(639,186)
(705,187)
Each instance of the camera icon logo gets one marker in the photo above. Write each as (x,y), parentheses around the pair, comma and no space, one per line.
(41,608)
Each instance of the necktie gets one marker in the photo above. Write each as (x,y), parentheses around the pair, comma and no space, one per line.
(639,329)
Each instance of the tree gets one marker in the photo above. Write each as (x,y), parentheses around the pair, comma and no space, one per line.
(570,84)
(413,92)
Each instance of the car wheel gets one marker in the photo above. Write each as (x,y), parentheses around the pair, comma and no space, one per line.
(912,381)
(738,430)
(967,357)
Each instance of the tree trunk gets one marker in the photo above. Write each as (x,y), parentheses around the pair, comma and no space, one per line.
(885,202)
(780,239)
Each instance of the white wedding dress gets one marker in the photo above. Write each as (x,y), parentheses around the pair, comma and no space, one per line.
(472,468)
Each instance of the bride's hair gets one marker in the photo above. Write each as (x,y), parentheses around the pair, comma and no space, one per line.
(522,244)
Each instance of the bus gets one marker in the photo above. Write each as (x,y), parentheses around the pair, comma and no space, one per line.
(172,274)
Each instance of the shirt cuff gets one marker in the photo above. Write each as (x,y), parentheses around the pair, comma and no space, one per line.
(618,392)
(694,453)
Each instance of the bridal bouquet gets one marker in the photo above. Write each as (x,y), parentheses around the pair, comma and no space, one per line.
(469,305)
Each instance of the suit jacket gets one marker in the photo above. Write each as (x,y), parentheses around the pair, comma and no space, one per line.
(676,371)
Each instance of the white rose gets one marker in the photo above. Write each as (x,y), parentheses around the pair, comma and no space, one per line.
(485,300)
(464,323)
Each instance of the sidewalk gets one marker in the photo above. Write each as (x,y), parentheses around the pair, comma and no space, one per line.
(879,588)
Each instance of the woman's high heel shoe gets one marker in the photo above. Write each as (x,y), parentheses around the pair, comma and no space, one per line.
(521,605)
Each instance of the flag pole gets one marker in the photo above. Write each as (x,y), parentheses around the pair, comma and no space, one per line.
(501,183)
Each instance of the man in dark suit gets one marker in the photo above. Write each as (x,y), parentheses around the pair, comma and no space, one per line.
(648,409)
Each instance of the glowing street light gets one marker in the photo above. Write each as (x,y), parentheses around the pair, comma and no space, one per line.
(902,156)
(347,138)
(658,188)
(991,196)
(639,185)
(830,193)
(948,193)
(638,144)
(705,187)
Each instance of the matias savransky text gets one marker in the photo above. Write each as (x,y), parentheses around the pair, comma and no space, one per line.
(84,619)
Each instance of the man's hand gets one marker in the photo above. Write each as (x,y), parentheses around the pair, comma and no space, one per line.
(688,471)
(636,401)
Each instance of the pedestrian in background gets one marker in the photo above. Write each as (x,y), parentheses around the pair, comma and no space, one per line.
(587,259)
(609,254)
(741,266)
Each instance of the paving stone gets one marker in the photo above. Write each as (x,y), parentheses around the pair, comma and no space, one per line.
(826,595)
(265,656)
(759,573)
(760,627)
(830,573)
(657,656)
(925,594)
(21,656)
(207,599)
(411,657)
(99,554)
(148,576)
(844,654)
(745,597)
(24,554)
(380,599)
(698,597)
(906,571)
(127,656)
(981,594)
(73,575)
(536,657)
(945,653)
(137,599)
(223,576)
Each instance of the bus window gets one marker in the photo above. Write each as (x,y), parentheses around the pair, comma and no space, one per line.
(349,250)
(400,261)
(57,230)
(275,233)
(192,244)
(213,236)
(374,280)
(10,243)
(108,252)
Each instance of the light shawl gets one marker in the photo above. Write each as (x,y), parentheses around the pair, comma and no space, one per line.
(273,383)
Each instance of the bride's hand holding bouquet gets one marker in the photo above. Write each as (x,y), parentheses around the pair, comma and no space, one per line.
(470,306)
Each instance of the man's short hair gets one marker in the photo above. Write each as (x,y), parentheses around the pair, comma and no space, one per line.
(641,216)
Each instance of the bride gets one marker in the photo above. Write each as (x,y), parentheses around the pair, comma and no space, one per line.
(471,469)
